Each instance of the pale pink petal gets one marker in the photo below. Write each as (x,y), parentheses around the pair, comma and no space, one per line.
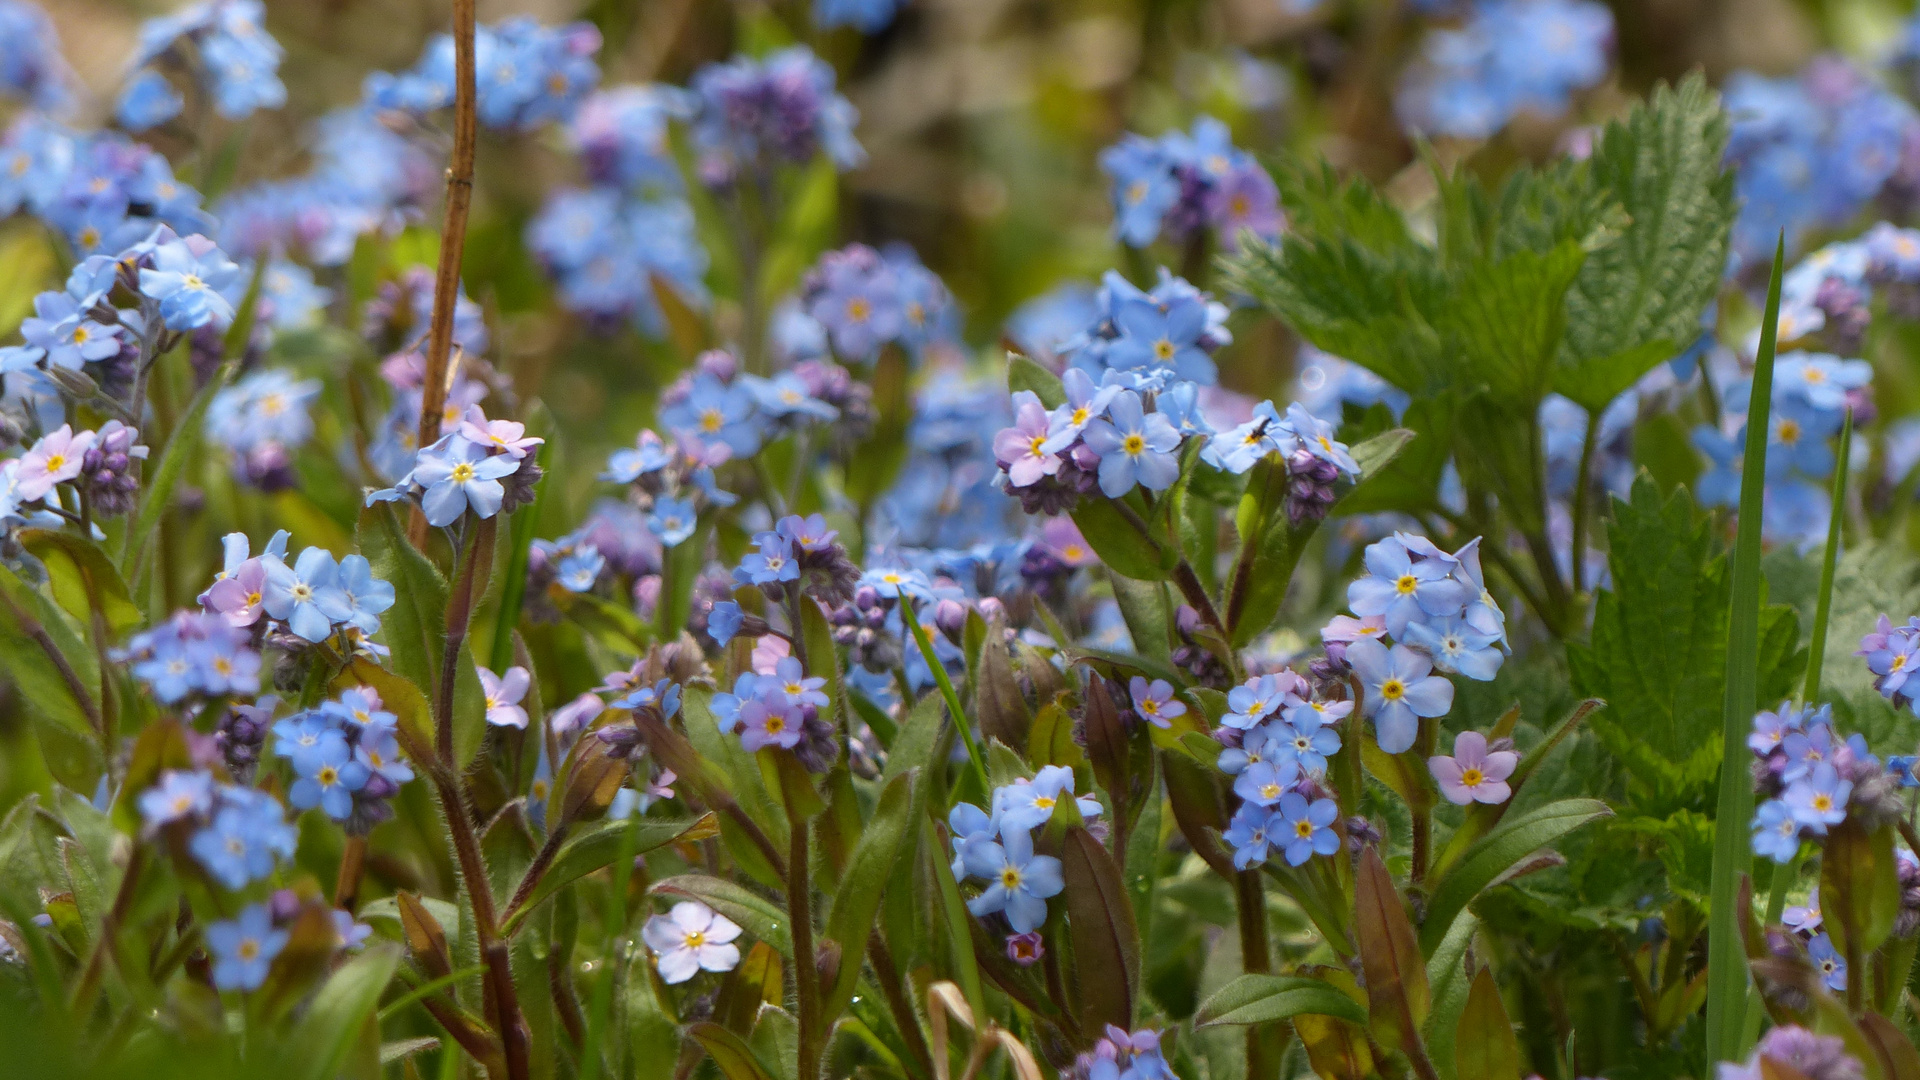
(722,929)
(1493,791)
(678,965)
(1470,749)
(1500,764)
(719,957)
(691,916)
(1446,772)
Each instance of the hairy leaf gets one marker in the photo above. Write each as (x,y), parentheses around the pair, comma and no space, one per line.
(1258,999)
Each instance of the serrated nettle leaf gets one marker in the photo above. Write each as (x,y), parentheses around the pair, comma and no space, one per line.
(1638,300)
(1259,999)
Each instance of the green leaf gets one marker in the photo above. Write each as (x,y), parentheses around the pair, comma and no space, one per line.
(415,626)
(1122,546)
(757,915)
(1260,999)
(919,735)
(1484,1047)
(333,1021)
(953,924)
(1732,852)
(857,901)
(732,1056)
(25,612)
(1448,979)
(600,845)
(1638,300)
(1503,849)
(82,578)
(1024,373)
(1658,651)
(1859,887)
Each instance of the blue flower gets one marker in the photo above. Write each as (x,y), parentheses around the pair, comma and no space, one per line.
(1134,448)
(969,826)
(328,781)
(1832,966)
(179,794)
(1819,799)
(1456,647)
(892,582)
(148,99)
(672,520)
(1776,832)
(772,563)
(790,679)
(1303,827)
(243,948)
(1238,449)
(1085,403)
(379,752)
(714,412)
(663,695)
(1254,700)
(1029,804)
(1797,438)
(1304,739)
(1020,881)
(301,738)
(1247,832)
(578,571)
(366,596)
(307,596)
(1256,746)
(1155,702)
(458,474)
(866,16)
(787,394)
(1144,188)
(1405,591)
(650,456)
(1316,438)
(1159,340)
(1399,691)
(241,843)
(189,286)
(62,328)
(1266,781)
(723,621)
(1806,750)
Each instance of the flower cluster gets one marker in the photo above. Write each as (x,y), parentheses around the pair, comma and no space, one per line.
(1101,436)
(1811,150)
(865,299)
(346,759)
(224,44)
(525,74)
(1791,1047)
(1507,56)
(311,601)
(1122,1055)
(801,554)
(608,252)
(261,420)
(997,847)
(31,65)
(752,115)
(1812,779)
(1172,330)
(1184,182)
(244,947)
(235,833)
(486,466)
(1317,463)
(781,708)
(717,413)
(1436,610)
(1892,654)
(194,653)
(97,465)
(1278,738)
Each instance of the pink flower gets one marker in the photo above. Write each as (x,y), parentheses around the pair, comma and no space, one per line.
(1019,447)
(769,725)
(1346,629)
(55,459)
(502,435)
(1473,774)
(572,718)
(1063,536)
(503,697)
(237,596)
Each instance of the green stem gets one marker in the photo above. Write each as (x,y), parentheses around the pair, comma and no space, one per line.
(946,691)
(806,976)
(1783,879)
(1582,502)
(1732,855)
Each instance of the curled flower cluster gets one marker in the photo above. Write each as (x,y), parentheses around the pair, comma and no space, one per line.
(1316,462)
(1101,436)
(802,554)
(346,759)
(751,115)
(1184,182)
(97,465)
(1278,739)
(782,709)
(235,833)
(997,847)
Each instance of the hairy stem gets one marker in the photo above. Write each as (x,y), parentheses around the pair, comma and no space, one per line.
(453,240)
(806,981)
(1582,501)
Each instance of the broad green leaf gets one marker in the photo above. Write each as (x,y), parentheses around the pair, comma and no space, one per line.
(332,1022)
(600,845)
(1484,1047)
(83,578)
(953,924)
(1448,980)
(730,1054)
(1024,373)
(30,622)
(1501,850)
(1260,999)
(1658,651)
(415,626)
(1638,300)
(776,1041)
(758,916)
(1148,613)
(856,903)
(918,736)
(1120,542)
(1859,887)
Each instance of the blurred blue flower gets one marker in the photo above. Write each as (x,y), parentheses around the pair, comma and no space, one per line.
(243,948)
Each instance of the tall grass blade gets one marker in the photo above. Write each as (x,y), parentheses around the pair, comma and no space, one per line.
(1726,951)
(1823,610)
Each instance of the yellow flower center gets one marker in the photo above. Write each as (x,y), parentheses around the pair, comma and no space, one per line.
(1789,431)
(249,948)
(1010,878)
(696,938)
(1033,445)
(461,473)
(192,281)
(1303,829)
(859,309)
(1405,584)
(328,776)
(711,421)
(55,462)
(1163,349)
(776,724)
(1134,444)
(1270,791)
(1823,803)
(1044,802)
(1393,689)
(80,335)
(1472,777)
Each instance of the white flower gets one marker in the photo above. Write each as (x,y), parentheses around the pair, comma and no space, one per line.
(691,937)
